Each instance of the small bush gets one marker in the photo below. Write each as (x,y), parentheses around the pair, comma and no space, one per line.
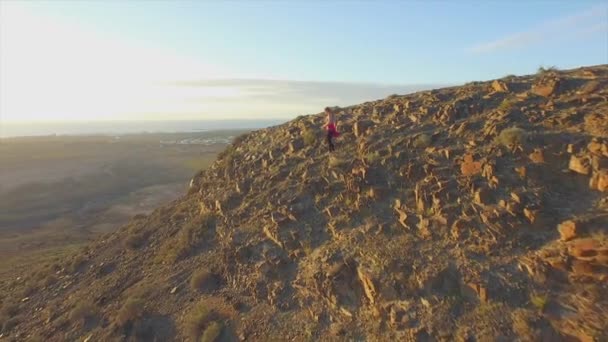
(212,332)
(135,239)
(198,320)
(506,105)
(543,70)
(203,280)
(188,238)
(10,323)
(422,141)
(29,289)
(131,310)
(7,314)
(9,308)
(239,139)
(335,161)
(510,137)
(372,157)
(309,137)
(76,263)
(51,279)
(83,311)
(539,301)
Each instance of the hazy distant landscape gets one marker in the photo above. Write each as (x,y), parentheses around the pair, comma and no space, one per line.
(60,191)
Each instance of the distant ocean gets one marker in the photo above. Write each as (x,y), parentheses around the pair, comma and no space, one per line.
(126,127)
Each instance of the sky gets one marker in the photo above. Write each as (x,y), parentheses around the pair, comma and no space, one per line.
(184,60)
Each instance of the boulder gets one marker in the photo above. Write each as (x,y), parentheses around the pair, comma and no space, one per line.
(546,88)
(500,86)
(531,214)
(537,157)
(584,248)
(469,167)
(483,196)
(367,283)
(360,128)
(296,145)
(567,230)
(579,165)
(599,181)
(474,291)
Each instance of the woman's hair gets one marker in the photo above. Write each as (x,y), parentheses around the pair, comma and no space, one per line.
(327,110)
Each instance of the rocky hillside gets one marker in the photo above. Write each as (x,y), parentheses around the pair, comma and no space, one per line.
(471,213)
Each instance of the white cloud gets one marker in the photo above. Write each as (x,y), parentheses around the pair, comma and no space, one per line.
(587,22)
(285,98)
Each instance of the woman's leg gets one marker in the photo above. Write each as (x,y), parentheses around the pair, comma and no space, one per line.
(329,142)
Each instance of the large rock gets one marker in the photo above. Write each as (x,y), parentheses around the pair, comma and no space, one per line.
(567,230)
(360,128)
(580,165)
(368,283)
(469,167)
(537,157)
(500,86)
(599,181)
(483,196)
(546,88)
(597,123)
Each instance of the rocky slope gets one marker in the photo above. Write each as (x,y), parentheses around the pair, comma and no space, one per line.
(471,213)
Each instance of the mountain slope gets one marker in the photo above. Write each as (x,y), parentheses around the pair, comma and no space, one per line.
(476,212)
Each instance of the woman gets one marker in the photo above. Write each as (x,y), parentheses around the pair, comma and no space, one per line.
(332,132)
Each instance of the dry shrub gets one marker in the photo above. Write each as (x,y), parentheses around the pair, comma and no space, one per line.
(199,319)
(372,157)
(506,105)
(212,332)
(51,279)
(131,311)
(335,161)
(187,239)
(308,135)
(513,136)
(544,70)
(203,280)
(539,301)
(8,314)
(135,239)
(83,311)
(76,263)
(422,141)
(10,323)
